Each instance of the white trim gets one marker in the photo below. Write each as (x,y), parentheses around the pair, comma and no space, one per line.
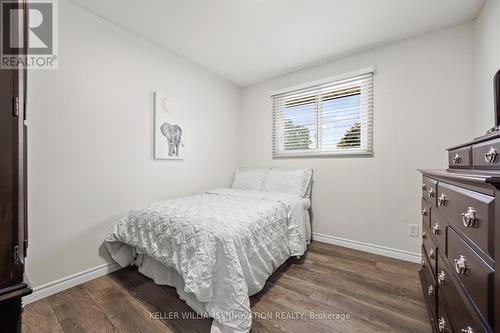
(326,80)
(370,248)
(67,282)
(318,153)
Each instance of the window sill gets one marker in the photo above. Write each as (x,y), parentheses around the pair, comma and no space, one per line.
(360,154)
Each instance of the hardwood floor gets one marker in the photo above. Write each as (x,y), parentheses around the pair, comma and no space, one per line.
(379,294)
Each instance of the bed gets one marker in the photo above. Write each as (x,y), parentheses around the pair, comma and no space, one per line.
(219,247)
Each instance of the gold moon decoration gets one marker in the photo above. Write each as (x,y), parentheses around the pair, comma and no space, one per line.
(163,105)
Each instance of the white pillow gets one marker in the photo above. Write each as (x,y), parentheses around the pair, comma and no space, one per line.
(295,182)
(249,179)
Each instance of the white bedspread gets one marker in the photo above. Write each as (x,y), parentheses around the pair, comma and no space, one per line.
(224,244)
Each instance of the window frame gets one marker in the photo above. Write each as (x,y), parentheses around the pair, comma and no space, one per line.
(366,118)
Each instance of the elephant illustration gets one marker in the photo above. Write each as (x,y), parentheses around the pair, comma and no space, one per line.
(173,133)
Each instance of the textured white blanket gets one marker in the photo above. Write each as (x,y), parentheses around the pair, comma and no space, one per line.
(224,243)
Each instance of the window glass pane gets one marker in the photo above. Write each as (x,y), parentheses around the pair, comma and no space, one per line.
(341,123)
(330,117)
(299,128)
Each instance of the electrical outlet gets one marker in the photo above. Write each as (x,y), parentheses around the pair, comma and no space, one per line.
(413,230)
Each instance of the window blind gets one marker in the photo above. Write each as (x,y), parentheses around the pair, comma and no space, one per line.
(331,117)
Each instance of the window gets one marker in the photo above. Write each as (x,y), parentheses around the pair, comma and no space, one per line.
(328,117)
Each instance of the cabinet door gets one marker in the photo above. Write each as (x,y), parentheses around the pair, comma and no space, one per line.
(8,133)
(12,175)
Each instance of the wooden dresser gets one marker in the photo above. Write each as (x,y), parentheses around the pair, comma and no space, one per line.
(461,239)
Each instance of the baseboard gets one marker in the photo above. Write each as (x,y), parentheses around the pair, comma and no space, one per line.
(370,248)
(67,282)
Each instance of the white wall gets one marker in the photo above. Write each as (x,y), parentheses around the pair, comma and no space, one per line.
(486,63)
(90,139)
(422,104)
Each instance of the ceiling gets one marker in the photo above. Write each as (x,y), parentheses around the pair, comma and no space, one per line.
(246,41)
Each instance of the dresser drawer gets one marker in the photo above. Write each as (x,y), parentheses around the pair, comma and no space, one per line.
(460,158)
(426,215)
(431,254)
(473,273)
(471,212)
(485,155)
(429,189)
(439,229)
(429,285)
(443,318)
(426,234)
(460,312)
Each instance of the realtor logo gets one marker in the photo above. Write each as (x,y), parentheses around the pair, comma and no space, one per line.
(33,48)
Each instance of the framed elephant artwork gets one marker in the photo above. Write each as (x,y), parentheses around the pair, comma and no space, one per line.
(170,129)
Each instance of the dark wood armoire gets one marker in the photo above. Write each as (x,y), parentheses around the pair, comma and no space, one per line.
(13,208)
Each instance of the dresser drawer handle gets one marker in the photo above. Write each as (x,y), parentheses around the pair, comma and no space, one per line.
(423,187)
(430,290)
(461,265)
(424,212)
(424,235)
(442,200)
(491,155)
(436,229)
(441,278)
(441,324)
(431,254)
(456,159)
(469,218)
(467,330)
(431,193)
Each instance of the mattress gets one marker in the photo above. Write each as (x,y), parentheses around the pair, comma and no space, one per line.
(216,248)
